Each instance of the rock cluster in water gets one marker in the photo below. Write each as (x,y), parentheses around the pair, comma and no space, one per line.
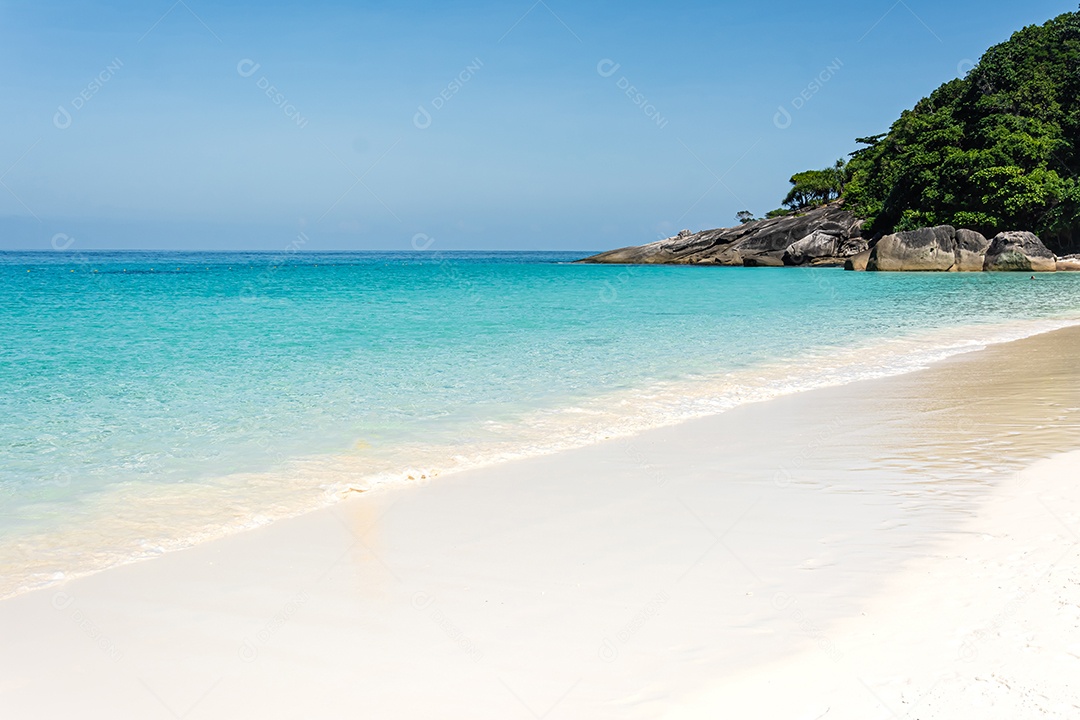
(829,235)
(947,249)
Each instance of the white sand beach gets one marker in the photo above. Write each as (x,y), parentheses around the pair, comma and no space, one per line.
(896,548)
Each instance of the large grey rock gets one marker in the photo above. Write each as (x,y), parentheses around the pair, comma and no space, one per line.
(851,247)
(1019,251)
(858,262)
(926,249)
(942,248)
(761,242)
(817,244)
(970,251)
(822,248)
(763,260)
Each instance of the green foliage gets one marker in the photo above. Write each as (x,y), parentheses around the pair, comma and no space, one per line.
(816,187)
(996,150)
(779,212)
(745,216)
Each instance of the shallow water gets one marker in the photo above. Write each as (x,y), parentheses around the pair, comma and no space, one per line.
(151,400)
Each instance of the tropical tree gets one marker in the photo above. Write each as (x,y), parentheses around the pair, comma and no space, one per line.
(816,187)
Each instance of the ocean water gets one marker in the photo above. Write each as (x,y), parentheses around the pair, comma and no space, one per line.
(149,401)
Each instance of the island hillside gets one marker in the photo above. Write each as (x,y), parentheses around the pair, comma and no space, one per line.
(988,159)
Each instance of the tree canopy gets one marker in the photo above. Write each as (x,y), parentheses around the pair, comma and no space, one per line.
(998,149)
(816,187)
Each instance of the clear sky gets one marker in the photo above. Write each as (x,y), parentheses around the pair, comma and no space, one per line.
(539,124)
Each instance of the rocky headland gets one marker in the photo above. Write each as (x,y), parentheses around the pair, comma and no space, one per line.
(831,236)
(824,235)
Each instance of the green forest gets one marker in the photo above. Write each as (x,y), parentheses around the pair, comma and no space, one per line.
(996,150)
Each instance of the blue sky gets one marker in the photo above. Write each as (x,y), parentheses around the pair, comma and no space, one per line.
(480,125)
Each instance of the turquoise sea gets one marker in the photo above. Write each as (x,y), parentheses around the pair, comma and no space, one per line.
(150,400)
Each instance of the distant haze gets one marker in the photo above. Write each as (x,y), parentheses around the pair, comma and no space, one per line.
(216,125)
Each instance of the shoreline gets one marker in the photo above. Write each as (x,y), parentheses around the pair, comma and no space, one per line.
(622,579)
(694,399)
